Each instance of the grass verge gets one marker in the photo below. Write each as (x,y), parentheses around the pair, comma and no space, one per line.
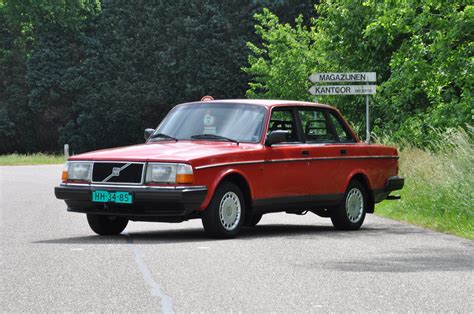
(30,159)
(439,186)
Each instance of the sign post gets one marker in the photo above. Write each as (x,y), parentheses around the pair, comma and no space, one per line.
(367,120)
(66,151)
(353,77)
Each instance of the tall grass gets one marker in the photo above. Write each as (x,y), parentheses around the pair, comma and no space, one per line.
(30,159)
(439,185)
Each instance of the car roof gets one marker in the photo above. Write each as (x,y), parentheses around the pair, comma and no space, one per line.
(267,102)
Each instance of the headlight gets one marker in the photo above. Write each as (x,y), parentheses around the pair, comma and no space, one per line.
(169,173)
(79,170)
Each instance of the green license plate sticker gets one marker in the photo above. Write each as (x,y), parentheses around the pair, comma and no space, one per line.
(112,197)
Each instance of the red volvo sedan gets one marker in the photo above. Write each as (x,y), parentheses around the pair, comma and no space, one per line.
(228,162)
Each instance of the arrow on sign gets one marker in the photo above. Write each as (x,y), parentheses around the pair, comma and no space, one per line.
(343,90)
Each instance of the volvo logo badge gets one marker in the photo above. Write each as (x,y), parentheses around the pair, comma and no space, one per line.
(115,171)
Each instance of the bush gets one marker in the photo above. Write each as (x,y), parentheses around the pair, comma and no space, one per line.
(439,185)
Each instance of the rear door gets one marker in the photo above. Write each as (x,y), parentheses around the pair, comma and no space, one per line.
(329,144)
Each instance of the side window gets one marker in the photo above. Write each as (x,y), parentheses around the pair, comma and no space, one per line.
(316,127)
(282,119)
(342,133)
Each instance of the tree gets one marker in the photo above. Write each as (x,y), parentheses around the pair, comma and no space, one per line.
(94,74)
(145,58)
(421,51)
(32,38)
(13,88)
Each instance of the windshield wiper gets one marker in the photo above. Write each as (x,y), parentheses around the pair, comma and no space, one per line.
(213,137)
(162,135)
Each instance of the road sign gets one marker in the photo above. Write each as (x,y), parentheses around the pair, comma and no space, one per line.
(343,77)
(352,77)
(342,89)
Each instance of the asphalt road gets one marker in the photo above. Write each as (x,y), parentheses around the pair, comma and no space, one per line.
(51,261)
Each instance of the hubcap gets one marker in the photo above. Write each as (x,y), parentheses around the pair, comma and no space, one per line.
(230,211)
(354,205)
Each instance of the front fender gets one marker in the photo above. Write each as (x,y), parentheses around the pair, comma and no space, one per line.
(221,175)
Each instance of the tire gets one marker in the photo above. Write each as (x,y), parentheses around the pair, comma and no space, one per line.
(106,225)
(254,220)
(350,214)
(224,216)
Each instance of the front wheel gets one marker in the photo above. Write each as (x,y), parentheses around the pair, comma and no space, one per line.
(223,217)
(106,225)
(351,213)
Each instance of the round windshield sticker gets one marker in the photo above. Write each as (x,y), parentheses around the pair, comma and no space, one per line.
(208,119)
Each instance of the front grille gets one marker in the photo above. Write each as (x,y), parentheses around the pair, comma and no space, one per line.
(131,173)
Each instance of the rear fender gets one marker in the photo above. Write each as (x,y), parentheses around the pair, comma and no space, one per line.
(360,173)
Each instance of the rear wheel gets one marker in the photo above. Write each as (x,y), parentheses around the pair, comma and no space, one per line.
(106,225)
(350,214)
(223,218)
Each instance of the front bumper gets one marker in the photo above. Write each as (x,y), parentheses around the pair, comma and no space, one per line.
(149,202)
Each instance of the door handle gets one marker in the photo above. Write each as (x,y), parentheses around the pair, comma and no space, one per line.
(343,152)
(305,153)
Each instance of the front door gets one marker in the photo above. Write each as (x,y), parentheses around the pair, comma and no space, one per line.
(285,164)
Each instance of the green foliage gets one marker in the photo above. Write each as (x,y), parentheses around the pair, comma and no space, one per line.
(31,69)
(36,17)
(432,70)
(144,58)
(95,74)
(55,80)
(439,187)
(280,65)
(422,52)
(13,87)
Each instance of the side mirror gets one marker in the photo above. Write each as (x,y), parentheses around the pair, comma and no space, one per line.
(148,133)
(276,136)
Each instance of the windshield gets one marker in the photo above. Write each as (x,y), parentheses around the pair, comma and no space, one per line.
(213,121)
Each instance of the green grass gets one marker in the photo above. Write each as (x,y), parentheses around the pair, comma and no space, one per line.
(31,159)
(439,186)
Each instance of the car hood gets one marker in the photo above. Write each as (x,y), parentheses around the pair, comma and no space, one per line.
(168,151)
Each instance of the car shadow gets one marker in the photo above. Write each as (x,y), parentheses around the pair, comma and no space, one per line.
(426,259)
(171,236)
(416,260)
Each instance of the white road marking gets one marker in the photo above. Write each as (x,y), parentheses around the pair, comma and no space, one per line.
(77,249)
(203,247)
(166,302)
